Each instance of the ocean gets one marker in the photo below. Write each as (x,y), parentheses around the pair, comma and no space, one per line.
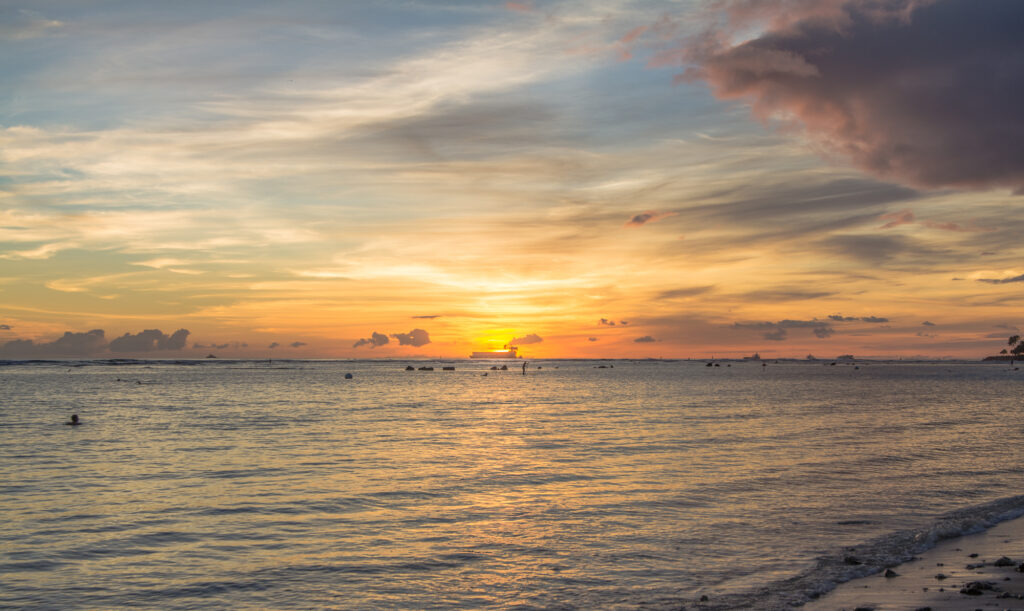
(580,485)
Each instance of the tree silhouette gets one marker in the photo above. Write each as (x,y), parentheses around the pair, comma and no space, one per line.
(1016,347)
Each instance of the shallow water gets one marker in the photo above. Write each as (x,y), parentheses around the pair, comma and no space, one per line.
(255,485)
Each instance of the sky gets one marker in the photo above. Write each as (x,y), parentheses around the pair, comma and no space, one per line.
(582,179)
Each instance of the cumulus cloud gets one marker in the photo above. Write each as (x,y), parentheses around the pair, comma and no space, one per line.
(928,323)
(149,340)
(69,344)
(779,331)
(376,339)
(297,344)
(273,345)
(416,337)
(923,92)
(591,339)
(645,339)
(608,323)
(822,332)
(532,338)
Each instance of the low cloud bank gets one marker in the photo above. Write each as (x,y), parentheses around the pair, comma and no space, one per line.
(94,343)
(149,341)
(415,338)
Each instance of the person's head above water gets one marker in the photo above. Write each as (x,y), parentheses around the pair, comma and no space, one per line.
(74,419)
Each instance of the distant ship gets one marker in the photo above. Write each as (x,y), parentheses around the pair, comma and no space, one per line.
(500,354)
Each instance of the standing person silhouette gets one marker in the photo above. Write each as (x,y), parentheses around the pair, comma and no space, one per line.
(524,367)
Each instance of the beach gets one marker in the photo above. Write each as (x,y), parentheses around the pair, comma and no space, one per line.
(965,564)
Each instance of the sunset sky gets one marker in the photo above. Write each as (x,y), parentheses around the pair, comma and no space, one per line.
(603,178)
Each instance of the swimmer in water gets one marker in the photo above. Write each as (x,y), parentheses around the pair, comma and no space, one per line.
(74,420)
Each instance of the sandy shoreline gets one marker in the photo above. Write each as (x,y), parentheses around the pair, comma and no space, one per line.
(918,586)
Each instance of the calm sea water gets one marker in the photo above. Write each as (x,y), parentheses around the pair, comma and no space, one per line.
(643,485)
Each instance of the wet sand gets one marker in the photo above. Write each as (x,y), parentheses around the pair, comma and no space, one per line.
(918,586)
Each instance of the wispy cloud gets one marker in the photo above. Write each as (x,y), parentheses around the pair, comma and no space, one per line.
(1008,280)
(650,216)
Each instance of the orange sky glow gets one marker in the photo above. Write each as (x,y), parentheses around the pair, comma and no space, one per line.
(583,181)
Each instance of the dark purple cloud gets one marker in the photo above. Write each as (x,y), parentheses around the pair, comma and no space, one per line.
(645,339)
(779,331)
(376,339)
(149,341)
(927,93)
(69,344)
(416,337)
(297,344)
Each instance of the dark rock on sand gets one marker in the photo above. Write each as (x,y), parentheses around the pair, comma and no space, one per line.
(889,573)
(940,576)
(851,561)
(977,588)
(1004,561)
